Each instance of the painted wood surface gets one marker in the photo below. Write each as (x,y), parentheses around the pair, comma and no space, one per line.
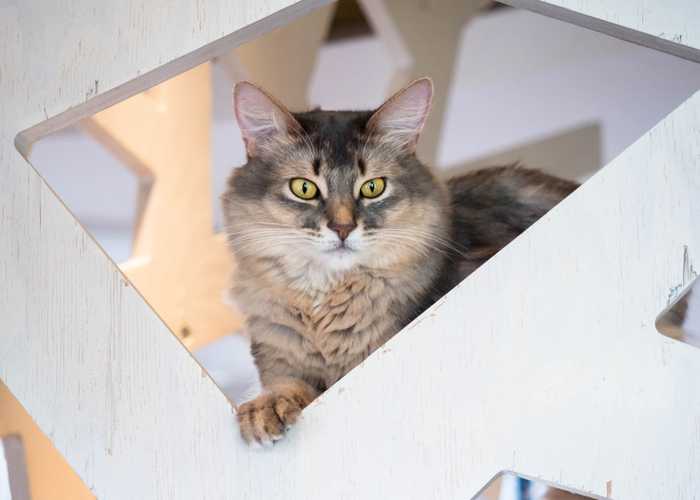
(51,477)
(545,361)
(670,26)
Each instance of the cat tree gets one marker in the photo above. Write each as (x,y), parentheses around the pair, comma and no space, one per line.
(580,389)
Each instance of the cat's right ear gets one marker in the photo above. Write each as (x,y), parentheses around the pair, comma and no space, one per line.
(261,118)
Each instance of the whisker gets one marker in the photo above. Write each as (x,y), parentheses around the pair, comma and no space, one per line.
(431,236)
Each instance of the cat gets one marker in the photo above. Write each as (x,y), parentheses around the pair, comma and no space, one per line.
(341,237)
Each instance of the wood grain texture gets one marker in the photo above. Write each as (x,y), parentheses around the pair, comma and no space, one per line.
(545,361)
(669,26)
(51,477)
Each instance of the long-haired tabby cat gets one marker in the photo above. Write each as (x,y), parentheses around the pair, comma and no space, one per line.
(342,236)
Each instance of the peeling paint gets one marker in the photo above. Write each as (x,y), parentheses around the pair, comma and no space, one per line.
(689,275)
(93,91)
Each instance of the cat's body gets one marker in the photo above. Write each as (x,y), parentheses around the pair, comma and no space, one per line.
(325,280)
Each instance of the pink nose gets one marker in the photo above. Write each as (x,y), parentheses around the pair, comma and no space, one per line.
(343,230)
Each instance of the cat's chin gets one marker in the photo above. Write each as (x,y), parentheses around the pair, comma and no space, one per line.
(339,259)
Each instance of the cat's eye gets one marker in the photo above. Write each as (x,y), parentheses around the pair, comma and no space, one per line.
(373,187)
(303,188)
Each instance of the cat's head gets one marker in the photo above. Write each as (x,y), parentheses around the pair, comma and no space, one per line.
(334,190)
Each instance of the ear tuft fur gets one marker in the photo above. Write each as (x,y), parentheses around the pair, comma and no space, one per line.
(402,117)
(260,116)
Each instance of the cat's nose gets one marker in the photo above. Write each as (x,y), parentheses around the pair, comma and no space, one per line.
(343,230)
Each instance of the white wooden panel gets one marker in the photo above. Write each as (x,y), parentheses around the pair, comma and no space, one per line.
(671,26)
(545,361)
(48,474)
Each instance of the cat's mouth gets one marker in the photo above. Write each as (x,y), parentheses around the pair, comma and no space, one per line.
(340,248)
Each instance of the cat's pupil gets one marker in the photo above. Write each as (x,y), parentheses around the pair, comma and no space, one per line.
(371,186)
(304,187)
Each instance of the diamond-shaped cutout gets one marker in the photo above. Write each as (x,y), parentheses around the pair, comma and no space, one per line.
(511,486)
(64,444)
(95,185)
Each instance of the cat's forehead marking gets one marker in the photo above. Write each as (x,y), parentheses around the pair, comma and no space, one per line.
(336,135)
(341,180)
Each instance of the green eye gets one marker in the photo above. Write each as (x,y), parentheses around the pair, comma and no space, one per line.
(373,187)
(303,188)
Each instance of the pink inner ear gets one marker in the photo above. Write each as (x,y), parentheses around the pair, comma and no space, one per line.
(255,111)
(404,114)
(259,116)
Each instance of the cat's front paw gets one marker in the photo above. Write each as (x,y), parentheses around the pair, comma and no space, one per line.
(266,418)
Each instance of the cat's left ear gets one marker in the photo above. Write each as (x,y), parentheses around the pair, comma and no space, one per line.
(402,117)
